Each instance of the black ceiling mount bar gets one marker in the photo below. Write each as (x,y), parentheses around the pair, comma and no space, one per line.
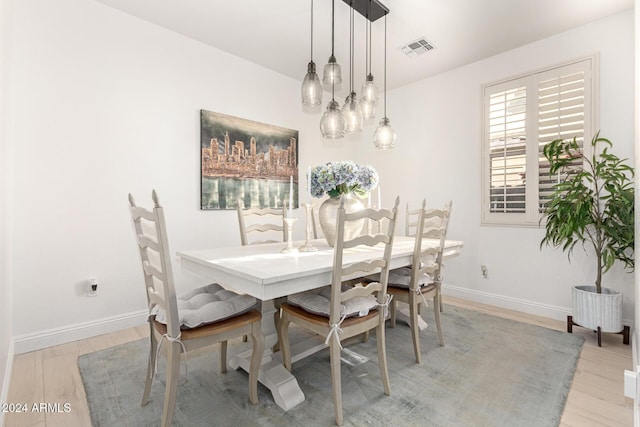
(370,9)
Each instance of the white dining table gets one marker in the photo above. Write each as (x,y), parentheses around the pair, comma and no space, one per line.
(267,273)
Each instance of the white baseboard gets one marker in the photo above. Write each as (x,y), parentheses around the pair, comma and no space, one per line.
(57,336)
(517,304)
(510,303)
(4,396)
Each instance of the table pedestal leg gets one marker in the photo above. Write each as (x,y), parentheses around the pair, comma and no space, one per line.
(273,375)
(402,313)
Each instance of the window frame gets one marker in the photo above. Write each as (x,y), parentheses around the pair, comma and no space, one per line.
(531,216)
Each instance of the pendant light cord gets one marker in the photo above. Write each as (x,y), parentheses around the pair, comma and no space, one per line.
(333,65)
(369,35)
(366,48)
(333,22)
(351,53)
(385,65)
(311,30)
(367,62)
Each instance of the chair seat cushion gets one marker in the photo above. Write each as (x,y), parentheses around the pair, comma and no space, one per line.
(208,304)
(401,278)
(317,301)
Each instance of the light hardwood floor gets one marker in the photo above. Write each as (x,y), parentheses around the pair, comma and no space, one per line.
(51,376)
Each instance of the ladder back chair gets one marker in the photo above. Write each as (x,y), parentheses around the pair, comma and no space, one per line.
(265,222)
(255,221)
(411,221)
(195,319)
(410,228)
(338,312)
(422,280)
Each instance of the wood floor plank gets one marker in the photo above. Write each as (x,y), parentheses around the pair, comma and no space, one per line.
(596,397)
(63,386)
(26,387)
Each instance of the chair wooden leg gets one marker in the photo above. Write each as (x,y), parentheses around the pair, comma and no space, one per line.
(283,338)
(413,323)
(257,341)
(276,321)
(173,376)
(277,303)
(440,302)
(436,311)
(394,306)
(153,350)
(223,357)
(336,379)
(382,358)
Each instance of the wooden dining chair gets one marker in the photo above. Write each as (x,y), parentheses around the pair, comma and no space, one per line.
(338,312)
(422,280)
(411,221)
(255,221)
(410,228)
(192,320)
(264,222)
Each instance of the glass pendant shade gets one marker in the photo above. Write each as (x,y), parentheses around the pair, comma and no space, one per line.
(385,137)
(369,89)
(333,123)
(368,109)
(332,73)
(311,88)
(352,114)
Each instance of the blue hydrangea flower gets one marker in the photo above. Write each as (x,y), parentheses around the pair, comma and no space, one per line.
(342,177)
(368,178)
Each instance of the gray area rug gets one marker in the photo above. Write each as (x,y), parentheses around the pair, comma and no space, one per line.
(491,372)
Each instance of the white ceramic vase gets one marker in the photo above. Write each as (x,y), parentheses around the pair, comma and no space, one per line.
(591,309)
(327,215)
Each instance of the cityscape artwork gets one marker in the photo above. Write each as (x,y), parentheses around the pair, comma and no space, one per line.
(253,161)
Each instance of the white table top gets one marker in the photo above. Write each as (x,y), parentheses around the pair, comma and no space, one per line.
(266,273)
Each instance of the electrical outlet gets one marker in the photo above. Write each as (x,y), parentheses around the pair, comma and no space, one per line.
(484,271)
(92,288)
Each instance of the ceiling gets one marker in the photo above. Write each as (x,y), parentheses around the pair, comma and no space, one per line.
(276,33)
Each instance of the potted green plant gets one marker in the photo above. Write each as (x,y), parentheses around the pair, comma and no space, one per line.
(593,206)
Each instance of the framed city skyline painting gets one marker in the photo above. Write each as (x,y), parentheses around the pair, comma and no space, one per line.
(241,158)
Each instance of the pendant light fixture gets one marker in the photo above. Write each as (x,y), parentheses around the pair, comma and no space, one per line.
(332,73)
(351,109)
(384,138)
(311,88)
(333,123)
(369,89)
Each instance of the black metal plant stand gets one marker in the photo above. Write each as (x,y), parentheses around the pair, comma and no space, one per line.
(624,332)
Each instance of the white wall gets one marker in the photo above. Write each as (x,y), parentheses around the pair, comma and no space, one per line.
(635,334)
(107,104)
(6,344)
(438,121)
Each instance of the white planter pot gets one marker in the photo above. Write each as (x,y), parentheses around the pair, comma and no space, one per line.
(591,309)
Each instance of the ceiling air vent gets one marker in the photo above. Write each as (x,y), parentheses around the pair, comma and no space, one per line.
(417,47)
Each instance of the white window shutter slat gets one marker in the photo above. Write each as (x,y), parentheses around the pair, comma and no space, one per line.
(522,115)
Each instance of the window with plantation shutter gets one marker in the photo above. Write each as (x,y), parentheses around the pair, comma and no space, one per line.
(561,114)
(507,149)
(521,116)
